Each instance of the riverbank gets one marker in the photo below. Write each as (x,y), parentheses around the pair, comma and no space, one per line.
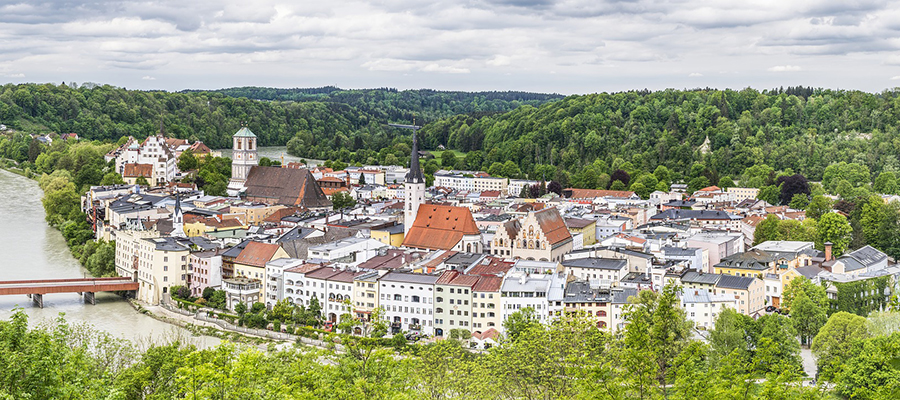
(206,326)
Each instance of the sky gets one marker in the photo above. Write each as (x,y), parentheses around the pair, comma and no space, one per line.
(567,47)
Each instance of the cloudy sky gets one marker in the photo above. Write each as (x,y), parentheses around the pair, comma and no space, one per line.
(570,46)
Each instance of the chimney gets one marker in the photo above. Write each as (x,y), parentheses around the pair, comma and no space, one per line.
(828,249)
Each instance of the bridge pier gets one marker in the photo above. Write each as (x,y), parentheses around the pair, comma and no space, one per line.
(89,297)
(38,300)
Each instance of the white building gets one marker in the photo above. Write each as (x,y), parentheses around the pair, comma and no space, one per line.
(520,290)
(275,279)
(702,307)
(351,251)
(408,301)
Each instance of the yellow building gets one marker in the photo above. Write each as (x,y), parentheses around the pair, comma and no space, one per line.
(202,226)
(391,236)
(586,227)
(161,264)
(365,294)
(254,213)
(251,262)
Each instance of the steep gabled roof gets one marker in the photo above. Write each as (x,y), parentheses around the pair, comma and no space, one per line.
(574,193)
(288,186)
(138,170)
(440,227)
(553,225)
(257,254)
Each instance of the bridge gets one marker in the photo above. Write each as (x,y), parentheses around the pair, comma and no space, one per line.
(36,289)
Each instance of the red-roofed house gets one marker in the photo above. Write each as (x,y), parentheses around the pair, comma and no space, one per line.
(542,236)
(453,302)
(439,227)
(251,262)
(133,172)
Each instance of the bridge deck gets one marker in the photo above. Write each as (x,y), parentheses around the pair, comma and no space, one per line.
(78,285)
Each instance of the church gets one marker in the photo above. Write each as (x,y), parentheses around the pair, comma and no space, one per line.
(270,185)
(431,226)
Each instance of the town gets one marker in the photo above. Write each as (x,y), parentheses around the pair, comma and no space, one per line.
(462,255)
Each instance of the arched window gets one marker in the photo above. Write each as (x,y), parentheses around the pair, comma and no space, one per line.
(601,324)
(601,313)
(438,310)
(237,143)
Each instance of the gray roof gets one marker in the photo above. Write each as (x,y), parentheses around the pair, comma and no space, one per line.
(701,278)
(295,234)
(581,292)
(809,271)
(677,213)
(863,257)
(735,282)
(621,296)
(168,244)
(415,171)
(672,251)
(596,263)
(406,277)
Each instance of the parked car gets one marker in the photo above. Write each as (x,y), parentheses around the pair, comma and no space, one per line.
(770,309)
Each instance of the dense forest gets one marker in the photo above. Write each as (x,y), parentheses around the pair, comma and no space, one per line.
(356,121)
(653,357)
(801,130)
(387,104)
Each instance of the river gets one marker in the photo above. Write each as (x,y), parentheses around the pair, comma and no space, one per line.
(31,249)
(275,153)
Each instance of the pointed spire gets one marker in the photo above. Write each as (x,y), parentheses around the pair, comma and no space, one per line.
(415,171)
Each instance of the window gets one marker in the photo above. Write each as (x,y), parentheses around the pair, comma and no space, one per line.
(398,297)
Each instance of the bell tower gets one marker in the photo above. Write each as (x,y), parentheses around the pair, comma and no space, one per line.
(244,157)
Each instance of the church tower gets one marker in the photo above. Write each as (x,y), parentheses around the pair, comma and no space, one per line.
(413,188)
(178,218)
(243,158)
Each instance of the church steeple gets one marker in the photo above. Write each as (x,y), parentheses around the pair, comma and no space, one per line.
(178,218)
(415,171)
(414,187)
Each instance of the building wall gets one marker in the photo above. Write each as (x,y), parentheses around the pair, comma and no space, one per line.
(452,309)
(405,309)
(159,270)
(487,311)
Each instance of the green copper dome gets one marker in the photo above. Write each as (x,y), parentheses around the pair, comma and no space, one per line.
(244,132)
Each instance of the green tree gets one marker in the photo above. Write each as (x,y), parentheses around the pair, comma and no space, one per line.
(807,316)
(834,344)
(886,183)
(187,161)
(519,322)
(818,206)
(448,159)
(342,200)
(799,201)
(726,182)
(833,227)
(770,194)
(767,230)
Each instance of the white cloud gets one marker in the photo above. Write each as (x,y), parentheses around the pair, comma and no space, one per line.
(785,68)
(444,68)
(895,78)
(148,78)
(444,44)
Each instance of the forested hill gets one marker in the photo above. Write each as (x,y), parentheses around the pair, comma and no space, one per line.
(394,105)
(338,119)
(802,130)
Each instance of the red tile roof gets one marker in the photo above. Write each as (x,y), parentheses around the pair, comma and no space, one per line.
(257,254)
(138,170)
(488,284)
(440,227)
(552,225)
(288,186)
(594,193)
